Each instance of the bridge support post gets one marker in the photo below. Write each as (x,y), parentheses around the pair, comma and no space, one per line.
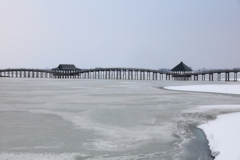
(226,76)
(235,76)
(117,74)
(38,74)
(210,76)
(219,77)
(28,74)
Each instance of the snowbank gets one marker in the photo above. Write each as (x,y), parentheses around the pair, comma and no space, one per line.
(227,89)
(223,136)
(223,132)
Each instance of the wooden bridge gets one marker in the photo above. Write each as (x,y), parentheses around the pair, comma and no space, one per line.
(119,74)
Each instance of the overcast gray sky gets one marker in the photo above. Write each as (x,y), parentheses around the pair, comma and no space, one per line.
(119,33)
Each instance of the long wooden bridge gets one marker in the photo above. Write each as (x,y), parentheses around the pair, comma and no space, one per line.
(120,74)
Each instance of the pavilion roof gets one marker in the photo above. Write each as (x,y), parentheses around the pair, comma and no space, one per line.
(181,67)
(66,67)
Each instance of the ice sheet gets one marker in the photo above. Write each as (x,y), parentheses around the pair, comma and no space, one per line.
(103,119)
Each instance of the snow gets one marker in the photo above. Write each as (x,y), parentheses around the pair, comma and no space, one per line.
(227,89)
(223,132)
(223,136)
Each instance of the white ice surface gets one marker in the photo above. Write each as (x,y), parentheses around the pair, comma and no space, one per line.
(227,89)
(223,132)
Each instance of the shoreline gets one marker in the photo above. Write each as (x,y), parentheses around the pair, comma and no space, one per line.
(223,148)
(224,125)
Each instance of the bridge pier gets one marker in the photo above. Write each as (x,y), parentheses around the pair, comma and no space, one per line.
(148,76)
(195,77)
(226,76)
(235,76)
(210,77)
(117,74)
(167,77)
(219,77)
(113,74)
(105,74)
(203,77)
(28,74)
(34,74)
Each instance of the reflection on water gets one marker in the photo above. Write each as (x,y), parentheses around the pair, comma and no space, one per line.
(102,119)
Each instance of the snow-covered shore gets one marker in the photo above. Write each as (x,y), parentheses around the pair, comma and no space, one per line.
(223,136)
(227,89)
(223,132)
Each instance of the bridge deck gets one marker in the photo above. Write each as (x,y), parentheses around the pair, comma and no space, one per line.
(116,73)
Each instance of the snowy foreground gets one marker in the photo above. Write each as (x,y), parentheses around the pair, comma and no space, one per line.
(223,132)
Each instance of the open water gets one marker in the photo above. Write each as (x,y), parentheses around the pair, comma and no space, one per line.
(66,119)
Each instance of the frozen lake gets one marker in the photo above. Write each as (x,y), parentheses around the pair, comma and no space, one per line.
(53,119)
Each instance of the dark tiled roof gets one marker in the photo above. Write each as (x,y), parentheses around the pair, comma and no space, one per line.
(66,67)
(181,67)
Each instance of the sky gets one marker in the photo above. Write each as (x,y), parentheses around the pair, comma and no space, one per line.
(120,33)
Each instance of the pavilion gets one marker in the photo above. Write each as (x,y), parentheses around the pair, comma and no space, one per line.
(181,72)
(65,70)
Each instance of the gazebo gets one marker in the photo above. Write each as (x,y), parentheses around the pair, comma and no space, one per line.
(65,71)
(181,72)
(66,67)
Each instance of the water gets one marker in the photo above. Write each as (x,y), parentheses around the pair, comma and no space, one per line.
(56,119)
